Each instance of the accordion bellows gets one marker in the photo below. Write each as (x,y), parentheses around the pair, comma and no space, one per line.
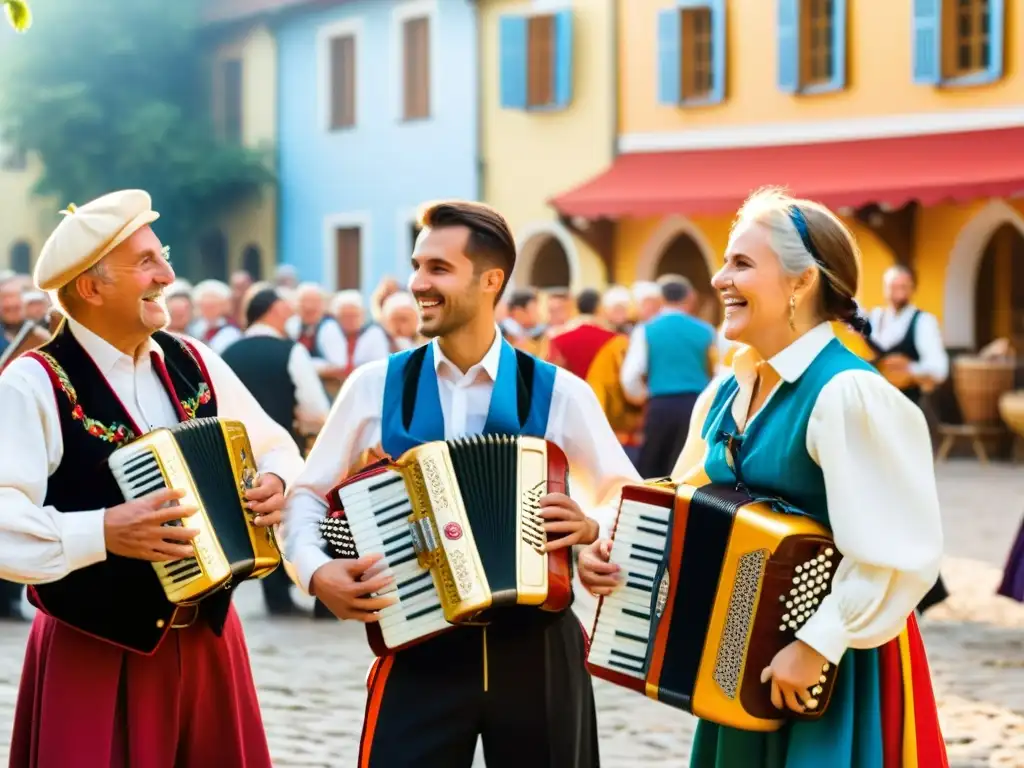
(458,524)
(716,583)
(212,461)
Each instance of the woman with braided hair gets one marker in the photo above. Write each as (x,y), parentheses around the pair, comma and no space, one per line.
(805,420)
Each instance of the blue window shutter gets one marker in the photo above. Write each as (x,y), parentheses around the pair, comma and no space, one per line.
(670,57)
(927,50)
(718,51)
(512,31)
(838,44)
(563,58)
(996,35)
(789,46)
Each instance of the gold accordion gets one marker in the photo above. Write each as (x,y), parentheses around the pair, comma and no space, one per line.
(212,461)
(457,524)
(716,583)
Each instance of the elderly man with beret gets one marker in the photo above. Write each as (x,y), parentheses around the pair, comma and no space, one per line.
(114,674)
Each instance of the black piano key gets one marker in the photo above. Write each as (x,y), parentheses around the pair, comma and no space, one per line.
(628,636)
(637,614)
(385,483)
(630,656)
(631,584)
(423,612)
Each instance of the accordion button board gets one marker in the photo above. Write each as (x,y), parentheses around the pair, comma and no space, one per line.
(715,584)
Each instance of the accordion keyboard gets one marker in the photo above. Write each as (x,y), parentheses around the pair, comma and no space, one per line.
(623,633)
(378,510)
(138,476)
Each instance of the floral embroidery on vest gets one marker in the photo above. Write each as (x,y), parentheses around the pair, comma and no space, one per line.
(115,432)
(202,397)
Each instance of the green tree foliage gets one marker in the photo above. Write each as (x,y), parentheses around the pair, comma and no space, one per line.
(18,14)
(114,94)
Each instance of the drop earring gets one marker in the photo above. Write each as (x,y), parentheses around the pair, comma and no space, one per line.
(792,311)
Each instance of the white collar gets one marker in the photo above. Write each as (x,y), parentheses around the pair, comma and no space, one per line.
(262,329)
(489,363)
(106,355)
(794,360)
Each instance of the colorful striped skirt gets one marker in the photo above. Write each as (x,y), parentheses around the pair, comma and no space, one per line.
(882,715)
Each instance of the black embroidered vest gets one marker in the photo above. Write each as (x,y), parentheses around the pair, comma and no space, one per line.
(119,600)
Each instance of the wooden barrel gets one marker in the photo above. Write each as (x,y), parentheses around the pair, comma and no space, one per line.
(979,383)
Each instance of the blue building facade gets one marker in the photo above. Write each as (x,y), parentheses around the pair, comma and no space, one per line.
(377,114)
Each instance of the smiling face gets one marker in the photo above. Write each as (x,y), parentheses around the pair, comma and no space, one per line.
(129,285)
(755,290)
(449,288)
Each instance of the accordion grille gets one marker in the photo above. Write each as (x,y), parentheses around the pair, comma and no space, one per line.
(204,445)
(739,622)
(487,469)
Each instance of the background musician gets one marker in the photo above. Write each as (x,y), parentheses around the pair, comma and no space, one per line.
(911,354)
(110,374)
(907,338)
(521,686)
(805,420)
(670,360)
(280,375)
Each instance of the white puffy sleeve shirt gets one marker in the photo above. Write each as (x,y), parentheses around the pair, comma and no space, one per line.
(875,453)
(39,544)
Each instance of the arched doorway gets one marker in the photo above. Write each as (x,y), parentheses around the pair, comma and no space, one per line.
(682,256)
(550,265)
(252,262)
(21,257)
(213,256)
(999,290)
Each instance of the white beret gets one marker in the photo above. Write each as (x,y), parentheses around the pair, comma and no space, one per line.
(88,233)
(349,298)
(398,300)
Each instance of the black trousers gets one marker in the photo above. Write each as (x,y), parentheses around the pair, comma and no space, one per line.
(529,699)
(10,600)
(666,421)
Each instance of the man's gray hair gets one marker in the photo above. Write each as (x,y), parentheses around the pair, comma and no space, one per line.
(68,292)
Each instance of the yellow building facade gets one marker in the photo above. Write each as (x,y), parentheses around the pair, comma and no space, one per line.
(547,120)
(717,97)
(244,91)
(27,219)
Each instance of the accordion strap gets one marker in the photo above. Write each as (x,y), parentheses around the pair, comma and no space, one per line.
(525,366)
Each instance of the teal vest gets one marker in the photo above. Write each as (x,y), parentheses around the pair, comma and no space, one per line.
(771,456)
(677,354)
(520,400)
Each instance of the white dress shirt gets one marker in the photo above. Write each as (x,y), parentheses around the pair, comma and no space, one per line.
(329,340)
(221,340)
(312,405)
(373,345)
(888,328)
(38,544)
(598,465)
(875,453)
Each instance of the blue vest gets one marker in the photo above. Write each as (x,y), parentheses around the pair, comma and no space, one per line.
(677,354)
(771,455)
(520,400)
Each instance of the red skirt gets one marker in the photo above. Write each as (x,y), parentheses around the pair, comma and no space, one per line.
(89,704)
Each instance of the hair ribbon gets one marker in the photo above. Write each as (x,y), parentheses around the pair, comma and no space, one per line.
(800,223)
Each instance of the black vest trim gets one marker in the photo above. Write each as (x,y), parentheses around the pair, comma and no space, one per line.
(411,378)
(118,600)
(906,347)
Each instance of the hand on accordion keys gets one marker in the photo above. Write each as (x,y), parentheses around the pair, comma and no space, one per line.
(137,528)
(599,576)
(794,671)
(343,586)
(565,524)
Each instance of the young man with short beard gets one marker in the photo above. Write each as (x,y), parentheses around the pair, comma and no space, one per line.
(520,685)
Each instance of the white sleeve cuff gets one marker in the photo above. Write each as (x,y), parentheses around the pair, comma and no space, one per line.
(825,632)
(82,537)
(307,562)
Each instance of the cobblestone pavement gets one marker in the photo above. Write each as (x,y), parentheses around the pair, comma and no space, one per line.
(311,675)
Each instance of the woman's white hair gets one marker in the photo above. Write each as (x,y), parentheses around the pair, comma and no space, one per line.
(616,296)
(349,298)
(398,300)
(216,288)
(771,208)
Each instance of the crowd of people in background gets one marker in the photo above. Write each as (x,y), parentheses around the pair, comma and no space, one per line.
(644,349)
